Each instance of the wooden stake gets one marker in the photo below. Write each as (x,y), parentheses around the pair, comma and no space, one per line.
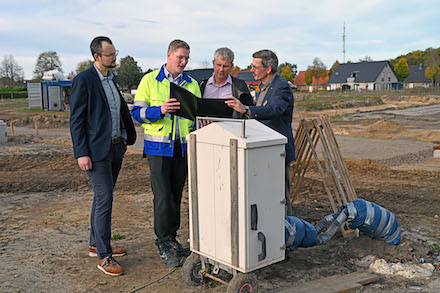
(12,127)
(36,126)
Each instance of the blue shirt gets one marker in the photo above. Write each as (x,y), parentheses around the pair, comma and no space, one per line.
(113,99)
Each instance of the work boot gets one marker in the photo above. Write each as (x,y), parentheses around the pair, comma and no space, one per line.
(110,266)
(179,248)
(169,259)
(116,251)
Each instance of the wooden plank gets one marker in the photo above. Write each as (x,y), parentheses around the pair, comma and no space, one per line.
(333,284)
(233,148)
(351,193)
(330,161)
(321,171)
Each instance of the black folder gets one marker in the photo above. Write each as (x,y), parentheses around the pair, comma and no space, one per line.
(192,106)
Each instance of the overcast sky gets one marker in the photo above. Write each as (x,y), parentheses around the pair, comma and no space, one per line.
(297,31)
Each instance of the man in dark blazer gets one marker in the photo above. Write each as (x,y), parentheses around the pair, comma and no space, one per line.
(101,128)
(274,105)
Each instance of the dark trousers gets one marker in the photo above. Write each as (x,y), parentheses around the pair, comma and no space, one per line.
(103,177)
(167,176)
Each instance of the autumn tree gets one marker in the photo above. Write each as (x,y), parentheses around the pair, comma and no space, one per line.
(46,61)
(401,69)
(235,69)
(83,65)
(432,72)
(11,72)
(308,77)
(293,68)
(334,66)
(317,70)
(129,73)
(286,72)
(433,62)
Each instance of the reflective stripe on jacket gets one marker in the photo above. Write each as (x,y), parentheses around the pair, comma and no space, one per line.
(159,130)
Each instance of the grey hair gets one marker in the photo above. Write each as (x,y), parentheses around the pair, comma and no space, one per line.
(268,59)
(224,53)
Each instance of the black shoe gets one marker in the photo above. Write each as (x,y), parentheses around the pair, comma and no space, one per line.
(179,248)
(169,259)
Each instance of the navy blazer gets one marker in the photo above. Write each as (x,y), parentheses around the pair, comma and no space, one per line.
(90,117)
(276,112)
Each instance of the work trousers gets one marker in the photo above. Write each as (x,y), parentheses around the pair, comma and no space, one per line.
(103,176)
(167,176)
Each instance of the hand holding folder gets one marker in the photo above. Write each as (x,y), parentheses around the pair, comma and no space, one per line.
(192,106)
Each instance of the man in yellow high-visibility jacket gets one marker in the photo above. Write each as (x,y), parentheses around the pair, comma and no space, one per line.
(165,146)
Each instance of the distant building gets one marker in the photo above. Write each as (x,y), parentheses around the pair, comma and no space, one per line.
(416,77)
(375,75)
(247,76)
(301,85)
(200,74)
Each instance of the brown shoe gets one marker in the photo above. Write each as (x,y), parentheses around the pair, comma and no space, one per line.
(116,251)
(110,266)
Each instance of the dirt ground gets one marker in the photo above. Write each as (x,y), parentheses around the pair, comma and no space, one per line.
(45,202)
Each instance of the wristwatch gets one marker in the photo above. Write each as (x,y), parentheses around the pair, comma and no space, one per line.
(247,112)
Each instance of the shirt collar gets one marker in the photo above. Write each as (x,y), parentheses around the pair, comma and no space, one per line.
(264,85)
(101,76)
(169,76)
(211,80)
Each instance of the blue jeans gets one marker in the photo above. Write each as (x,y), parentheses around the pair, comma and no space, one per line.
(103,176)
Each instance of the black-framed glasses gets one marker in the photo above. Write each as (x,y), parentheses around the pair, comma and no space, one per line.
(182,58)
(110,55)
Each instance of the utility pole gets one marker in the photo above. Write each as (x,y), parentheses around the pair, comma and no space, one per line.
(343,45)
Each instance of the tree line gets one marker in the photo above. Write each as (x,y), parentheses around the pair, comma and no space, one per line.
(129,73)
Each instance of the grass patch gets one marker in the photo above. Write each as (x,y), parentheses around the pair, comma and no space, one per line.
(117,236)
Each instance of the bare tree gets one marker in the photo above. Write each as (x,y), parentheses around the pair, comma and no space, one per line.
(204,64)
(11,72)
(317,70)
(46,61)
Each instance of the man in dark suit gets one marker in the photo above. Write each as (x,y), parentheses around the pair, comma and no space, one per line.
(274,105)
(101,127)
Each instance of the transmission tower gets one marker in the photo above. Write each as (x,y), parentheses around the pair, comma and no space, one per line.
(343,45)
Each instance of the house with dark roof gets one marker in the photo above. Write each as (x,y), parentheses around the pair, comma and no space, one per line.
(247,76)
(376,75)
(301,85)
(416,77)
(200,74)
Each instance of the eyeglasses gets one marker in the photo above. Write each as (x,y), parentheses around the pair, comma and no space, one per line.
(110,55)
(182,58)
(256,67)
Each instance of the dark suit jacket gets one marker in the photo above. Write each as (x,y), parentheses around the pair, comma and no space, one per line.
(276,112)
(240,91)
(90,118)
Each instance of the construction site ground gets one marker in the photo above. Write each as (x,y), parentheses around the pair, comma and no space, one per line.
(45,202)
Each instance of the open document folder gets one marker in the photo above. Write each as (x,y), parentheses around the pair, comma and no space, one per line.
(191,106)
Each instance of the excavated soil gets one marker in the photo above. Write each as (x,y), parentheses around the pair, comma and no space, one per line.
(45,202)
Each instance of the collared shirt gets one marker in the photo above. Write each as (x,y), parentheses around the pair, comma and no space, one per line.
(113,99)
(177,81)
(263,89)
(215,91)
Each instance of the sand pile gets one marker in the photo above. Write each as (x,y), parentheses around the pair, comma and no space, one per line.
(384,125)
